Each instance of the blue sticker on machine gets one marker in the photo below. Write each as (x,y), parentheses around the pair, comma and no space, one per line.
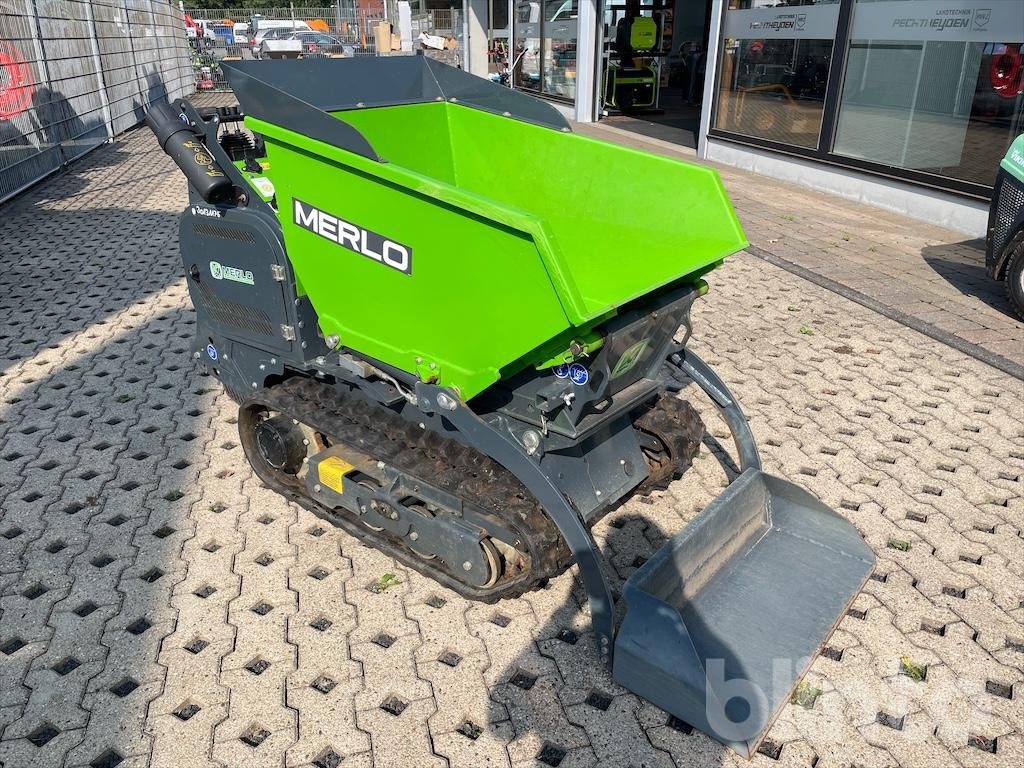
(211,351)
(561,371)
(578,374)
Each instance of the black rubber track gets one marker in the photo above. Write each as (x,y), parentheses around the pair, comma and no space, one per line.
(429,457)
(446,464)
(680,430)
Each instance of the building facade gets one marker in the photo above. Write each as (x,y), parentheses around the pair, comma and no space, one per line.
(907,104)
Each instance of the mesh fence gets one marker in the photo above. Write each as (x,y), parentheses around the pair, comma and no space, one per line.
(332,15)
(351,29)
(74,73)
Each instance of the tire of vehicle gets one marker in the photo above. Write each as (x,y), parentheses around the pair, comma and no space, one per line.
(1015,280)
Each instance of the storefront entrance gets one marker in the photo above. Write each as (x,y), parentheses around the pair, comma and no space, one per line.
(653,65)
(923,91)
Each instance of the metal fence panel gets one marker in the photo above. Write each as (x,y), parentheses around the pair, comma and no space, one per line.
(71,93)
(74,73)
(117,53)
(175,67)
(26,151)
(330,15)
(144,43)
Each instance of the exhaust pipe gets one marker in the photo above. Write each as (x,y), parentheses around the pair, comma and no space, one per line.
(189,153)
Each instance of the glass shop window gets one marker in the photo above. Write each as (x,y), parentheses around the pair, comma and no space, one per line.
(544,47)
(933,86)
(775,68)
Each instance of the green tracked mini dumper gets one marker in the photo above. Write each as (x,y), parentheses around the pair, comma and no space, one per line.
(446,348)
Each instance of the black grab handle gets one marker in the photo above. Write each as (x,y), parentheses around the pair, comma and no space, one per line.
(189,153)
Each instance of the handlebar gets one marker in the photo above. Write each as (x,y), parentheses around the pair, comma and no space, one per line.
(188,152)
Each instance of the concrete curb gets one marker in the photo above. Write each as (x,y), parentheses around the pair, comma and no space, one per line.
(972,350)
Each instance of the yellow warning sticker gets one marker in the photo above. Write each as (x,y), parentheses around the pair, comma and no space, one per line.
(331,470)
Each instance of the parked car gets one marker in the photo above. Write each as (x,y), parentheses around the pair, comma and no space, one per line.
(199,31)
(1004,246)
(318,43)
(266,40)
(279,43)
(259,28)
(208,31)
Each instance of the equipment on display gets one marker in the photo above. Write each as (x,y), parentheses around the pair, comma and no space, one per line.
(628,85)
(443,344)
(630,88)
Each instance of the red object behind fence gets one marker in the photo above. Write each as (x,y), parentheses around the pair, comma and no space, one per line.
(16,86)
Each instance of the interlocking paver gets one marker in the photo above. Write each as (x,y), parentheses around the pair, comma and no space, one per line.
(125,497)
(400,739)
(328,716)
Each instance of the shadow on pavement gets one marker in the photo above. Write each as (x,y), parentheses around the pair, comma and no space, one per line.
(962,265)
(62,137)
(63,125)
(561,672)
(66,270)
(98,469)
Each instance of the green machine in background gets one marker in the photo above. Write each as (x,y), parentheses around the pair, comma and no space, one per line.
(1004,245)
(629,86)
(444,348)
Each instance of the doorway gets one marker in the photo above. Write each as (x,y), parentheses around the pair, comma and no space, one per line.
(654,59)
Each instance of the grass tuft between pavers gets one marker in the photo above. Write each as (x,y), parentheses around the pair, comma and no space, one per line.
(916,672)
(804,695)
(385,583)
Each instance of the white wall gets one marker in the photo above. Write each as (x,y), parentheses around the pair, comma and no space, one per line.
(940,208)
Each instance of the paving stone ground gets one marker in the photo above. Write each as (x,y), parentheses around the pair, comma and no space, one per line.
(933,275)
(158,606)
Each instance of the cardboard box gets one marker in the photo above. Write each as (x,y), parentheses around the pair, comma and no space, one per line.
(382,37)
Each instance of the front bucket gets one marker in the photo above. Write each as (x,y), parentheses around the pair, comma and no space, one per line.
(725,618)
